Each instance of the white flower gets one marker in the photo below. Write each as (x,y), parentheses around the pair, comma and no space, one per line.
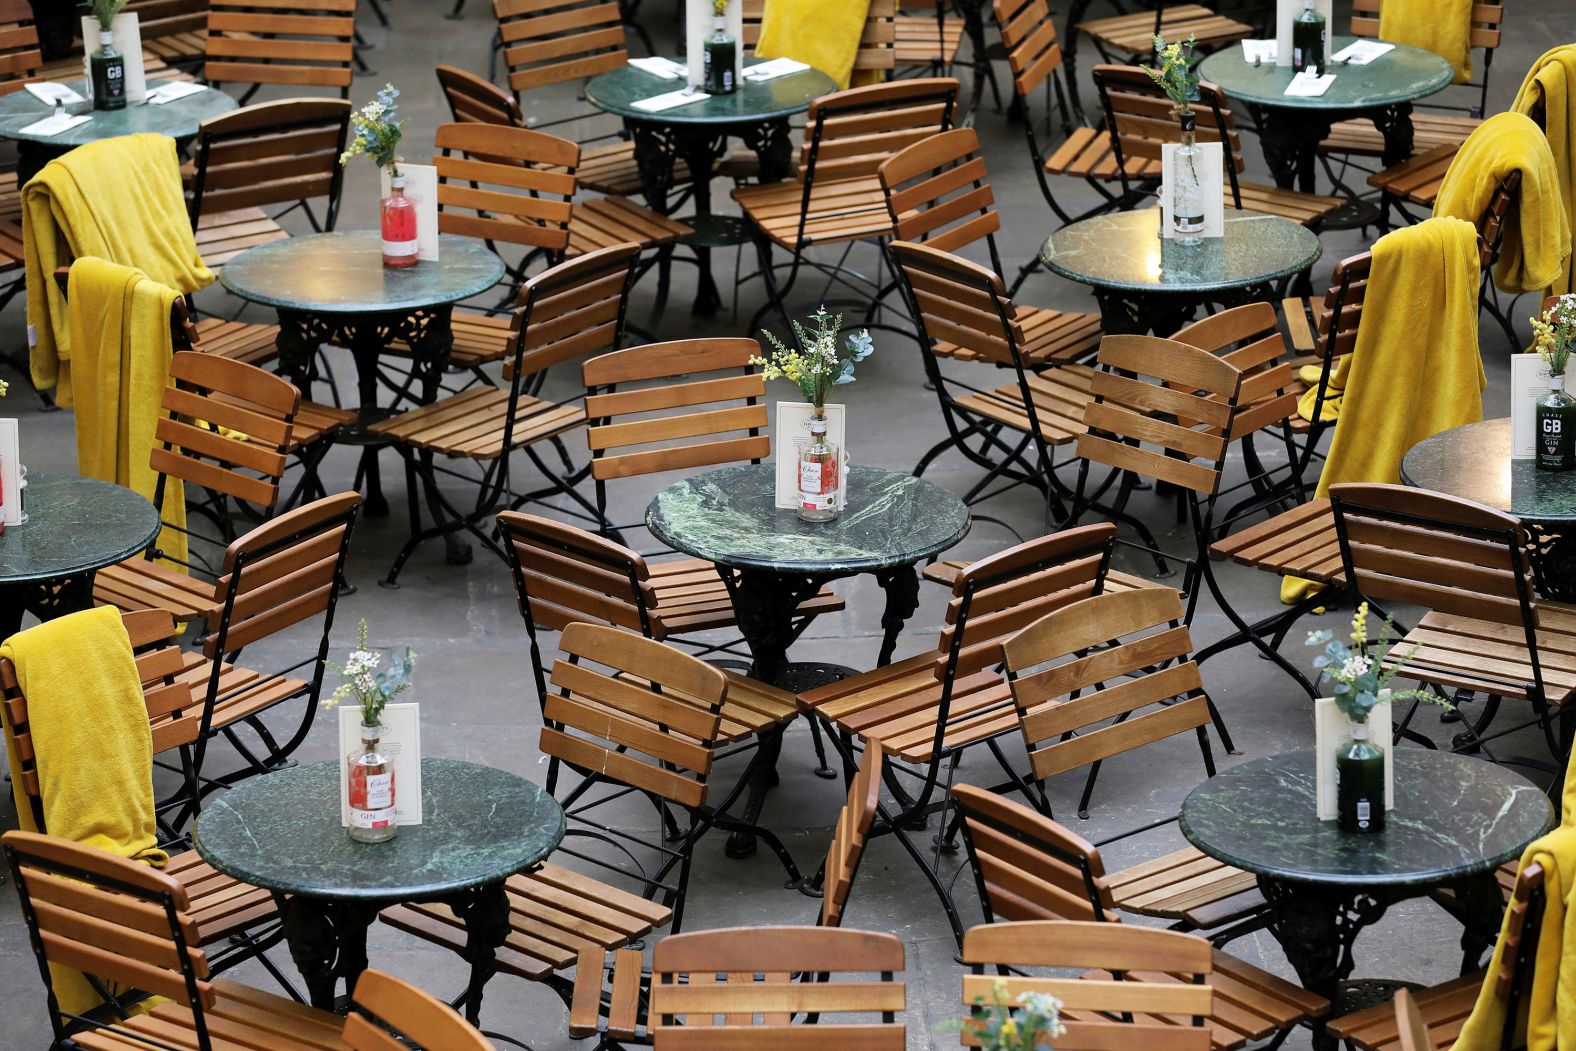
(1355,667)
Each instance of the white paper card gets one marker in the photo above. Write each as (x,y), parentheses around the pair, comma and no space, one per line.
(1258,51)
(128,41)
(1529,384)
(50,94)
(421,186)
(670,100)
(1309,83)
(10,475)
(1361,52)
(699,16)
(774,68)
(1211,175)
(171,90)
(1286,11)
(56,123)
(401,742)
(1330,728)
(658,66)
(793,434)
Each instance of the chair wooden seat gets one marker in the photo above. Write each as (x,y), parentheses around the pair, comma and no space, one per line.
(220,905)
(472,423)
(1304,208)
(691,596)
(601,222)
(1429,131)
(255,344)
(1187,885)
(1135,33)
(10,196)
(1051,337)
(11,249)
(221,236)
(1460,651)
(1059,395)
(138,583)
(1444,1009)
(239,1016)
(1418,178)
(1087,154)
(839,211)
(611,169)
(917,41)
(67,70)
(1300,543)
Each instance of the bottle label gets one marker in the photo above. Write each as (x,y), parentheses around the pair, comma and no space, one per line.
(817,484)
(1364,813)
(727,80)
(400,249)
(371,799)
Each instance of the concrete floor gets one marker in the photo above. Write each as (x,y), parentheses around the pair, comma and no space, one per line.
(474,666)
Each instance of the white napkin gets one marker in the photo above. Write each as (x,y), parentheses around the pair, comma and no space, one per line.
(777,67)
(658,66)
(1258,51)
(1309,84)
(658,103)
(55,124)
(50,93)
(1361,52)
(171,90)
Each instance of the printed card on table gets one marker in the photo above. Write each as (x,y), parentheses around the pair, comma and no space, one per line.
(1286,12)
(401,742)
(10,474)
(421,186)
(1211,177)
(1529,384)
(699,15)
(793,434)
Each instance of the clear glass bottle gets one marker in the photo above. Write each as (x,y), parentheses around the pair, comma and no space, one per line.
(1307,39)
(399,226)
(108,74)
(1359,783)
(820,466)
(372,790)
(1187,192)
(720,56)
(1556,428)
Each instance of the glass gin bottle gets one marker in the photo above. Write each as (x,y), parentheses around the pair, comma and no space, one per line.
(400,246)
(719,57)
(820,465)
(1187,191)
(1359,783)
(1307,39)
(372,814)
(108,71)
(1556,428)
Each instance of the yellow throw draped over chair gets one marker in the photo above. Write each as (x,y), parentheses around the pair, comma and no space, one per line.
(1551,87)
(1441,26)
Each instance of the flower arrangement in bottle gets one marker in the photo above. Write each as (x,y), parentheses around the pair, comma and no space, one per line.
(816,368)
(1554,338)
(1173,74)
(1028,1023)
(378,130)
(371,785)
(106,65)
(1360,670)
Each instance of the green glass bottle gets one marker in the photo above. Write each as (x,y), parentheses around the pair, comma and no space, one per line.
(721,54)
(1556,428)
(1307,39)
(1359,783)
(108,71)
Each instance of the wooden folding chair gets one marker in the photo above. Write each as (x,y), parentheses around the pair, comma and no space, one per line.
(1033,873)
(1131,37)
(926,35)
(388,1014)
(255,42)
(21,62)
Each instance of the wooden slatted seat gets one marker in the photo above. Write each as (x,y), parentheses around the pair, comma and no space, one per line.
(174,30)
(599,222)
(481,423)
(1058,397)
(1087,154)
(1134,34)
(1430,131)
(21,62)
(1417,179)
(308,43)
(923,39)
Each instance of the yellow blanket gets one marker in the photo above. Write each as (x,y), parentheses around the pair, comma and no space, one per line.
(118,199)
(120,327)
(91,743)
(1551,82)
(1537,236)
(1441,26)
(1415,369)
(823,33)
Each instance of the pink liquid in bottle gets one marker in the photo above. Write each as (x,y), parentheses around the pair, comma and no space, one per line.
(399,227)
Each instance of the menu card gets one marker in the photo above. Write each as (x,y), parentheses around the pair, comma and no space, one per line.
(1361,52)
(670,100)
(1309,84)
(10,475)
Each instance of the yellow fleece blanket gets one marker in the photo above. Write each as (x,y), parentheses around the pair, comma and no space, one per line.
(91,744)
(823,33)
(1415,369)
(1551,83)
(1537,236)
(120,327)
(118,199)
(1441,26)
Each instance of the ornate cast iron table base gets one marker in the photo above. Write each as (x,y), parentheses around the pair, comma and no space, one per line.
(1290,138)
(1553,561)
(1128,312)
(45,600)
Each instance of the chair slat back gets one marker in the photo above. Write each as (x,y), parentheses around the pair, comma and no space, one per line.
(634,711)
(1099,1016)
(284,152)
(494,184)
(1199,393)
(1139,115)
(284,572)
(1028,33)
(210,392)
(936,192)
(20,57)
(421,1019)
(1343,307)
(572,309)
(664,407)
(959,302)
(474,100)
(854,822)
(1028,867)
(740,988)
(1402,544)
(877,43)
(157,19)
(1115,670)
(1491,224)
(997,596)
(302,43)
(1487,20)
(553,41)
(115,919)
(564,575)
(849,134)
(1513,979)
(1249,337)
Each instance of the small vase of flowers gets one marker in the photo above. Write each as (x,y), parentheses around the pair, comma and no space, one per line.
(371,771)
(1173,74)
(106,65)
(816,369)
(1554,338)
(1028,1023)
(378,130)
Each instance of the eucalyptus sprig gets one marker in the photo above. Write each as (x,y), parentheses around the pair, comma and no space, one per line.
(360,678)
(1028,1023)
(1359,676)
(378,131)
(1173,71)
(1554,334)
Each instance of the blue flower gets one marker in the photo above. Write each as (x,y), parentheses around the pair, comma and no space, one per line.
(861,344)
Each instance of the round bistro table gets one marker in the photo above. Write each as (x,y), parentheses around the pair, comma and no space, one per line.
(281,831)
(1456,819)
(1473,462)
(697,134)
(74,527)
(1291,127)
(180,120)
(1145,283)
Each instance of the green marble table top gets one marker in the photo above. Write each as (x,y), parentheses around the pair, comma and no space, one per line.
(179,119)
(74,525)
(727,516)
(1454,816)
(1473,462)
(616,91)
(343,273)
(281,831)
(1403,75)
(1125,250)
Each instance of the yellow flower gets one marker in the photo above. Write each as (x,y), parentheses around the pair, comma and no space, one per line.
(1009,1029)
(1360,625)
